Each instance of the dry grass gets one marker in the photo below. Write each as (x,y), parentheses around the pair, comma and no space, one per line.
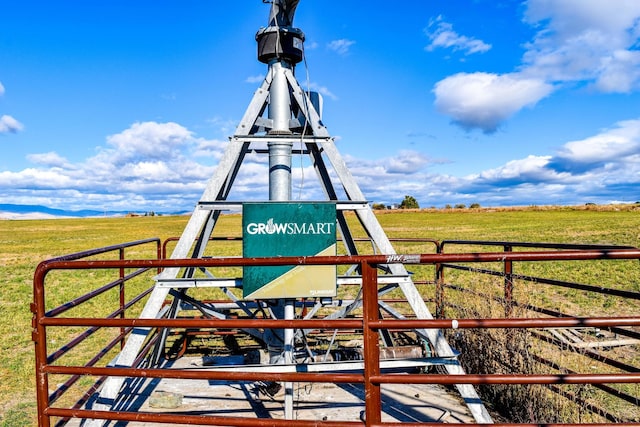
(26,243)
(523,352)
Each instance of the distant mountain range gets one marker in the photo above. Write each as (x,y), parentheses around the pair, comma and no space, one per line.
(13,211)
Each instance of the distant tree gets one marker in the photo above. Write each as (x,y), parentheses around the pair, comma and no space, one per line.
(447,206)
(409,202)
(460,206)
(379,206)
(474,205)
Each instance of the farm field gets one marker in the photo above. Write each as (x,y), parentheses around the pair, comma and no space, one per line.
(25,243)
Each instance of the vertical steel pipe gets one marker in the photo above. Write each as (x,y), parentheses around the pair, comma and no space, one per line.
(508,283)
(439,279)
(280,170)
(279,99)
(372,392)
(122,295)
(280,153)
(39,337)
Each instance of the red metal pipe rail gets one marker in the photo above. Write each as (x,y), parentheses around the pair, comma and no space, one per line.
(45,266)
(370,324)
(510,276)
(106,249)
(536,245)
(569,322)
(509,303)
(38,310)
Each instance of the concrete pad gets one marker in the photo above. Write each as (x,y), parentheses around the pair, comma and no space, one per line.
(312,401)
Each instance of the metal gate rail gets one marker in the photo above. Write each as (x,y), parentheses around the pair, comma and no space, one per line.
(371,324)
(512,281)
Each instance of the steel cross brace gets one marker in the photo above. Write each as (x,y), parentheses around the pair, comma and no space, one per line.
(319,143)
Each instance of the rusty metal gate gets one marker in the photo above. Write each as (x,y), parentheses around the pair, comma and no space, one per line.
(76,340)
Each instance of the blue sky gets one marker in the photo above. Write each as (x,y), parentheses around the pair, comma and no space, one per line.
(129,104)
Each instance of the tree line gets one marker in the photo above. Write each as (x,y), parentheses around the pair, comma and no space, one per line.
(410,202)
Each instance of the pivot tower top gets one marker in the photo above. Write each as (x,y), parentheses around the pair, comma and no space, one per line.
(280,41)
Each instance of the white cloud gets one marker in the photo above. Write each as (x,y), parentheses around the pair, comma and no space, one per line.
(585,40)
(442,35)
(406,162)
(609,145)
(255,79)
(403,165)
(151,171)
(311,45)
(602,168)
(210,149)
(36,178)
(530,166)
(566,18)
(9,125)
(148,140)
(322,90)
(145,167)
(222,125)
(50,159)
(341,46)
(599,168)
(619,72)
(484,100)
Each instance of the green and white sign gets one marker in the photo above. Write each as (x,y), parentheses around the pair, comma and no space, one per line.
(277,229)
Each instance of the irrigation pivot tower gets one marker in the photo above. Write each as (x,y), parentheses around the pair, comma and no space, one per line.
(281,116)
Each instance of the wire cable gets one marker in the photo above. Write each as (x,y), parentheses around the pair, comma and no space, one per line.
(306,99)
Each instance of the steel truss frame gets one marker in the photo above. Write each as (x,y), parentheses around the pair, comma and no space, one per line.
(250,136)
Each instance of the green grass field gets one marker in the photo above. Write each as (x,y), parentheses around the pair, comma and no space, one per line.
(26,243)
